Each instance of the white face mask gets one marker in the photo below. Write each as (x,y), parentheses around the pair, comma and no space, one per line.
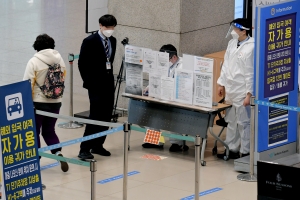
(170,64)
(234,35)
(108,33)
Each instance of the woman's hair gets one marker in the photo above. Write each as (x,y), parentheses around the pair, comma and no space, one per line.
(42,42)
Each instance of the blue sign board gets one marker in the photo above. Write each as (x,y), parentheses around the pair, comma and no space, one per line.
(20,174)
(276,53)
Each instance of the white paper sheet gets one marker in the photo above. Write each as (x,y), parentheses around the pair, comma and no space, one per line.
(134,79)
(149,64)
(154,85)
(203,81)
(167,88)
(133,55)
(163,63)
(184,86)
(203,90)
(188,62)
(203,65)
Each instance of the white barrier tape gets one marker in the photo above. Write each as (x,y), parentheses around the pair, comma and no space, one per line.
(82,139)
(86,121)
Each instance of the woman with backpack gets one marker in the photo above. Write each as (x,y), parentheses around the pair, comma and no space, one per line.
(46,70)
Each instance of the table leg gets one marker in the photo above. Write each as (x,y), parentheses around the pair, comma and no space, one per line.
(203,162)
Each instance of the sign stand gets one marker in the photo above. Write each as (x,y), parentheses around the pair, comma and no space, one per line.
(276,74)
(19,159)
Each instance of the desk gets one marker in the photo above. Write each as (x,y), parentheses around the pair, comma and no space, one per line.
(174,117)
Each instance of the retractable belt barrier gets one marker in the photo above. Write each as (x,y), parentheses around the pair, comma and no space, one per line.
(87,121)
(82,139)
(64,159)
(274,105)
(116,128)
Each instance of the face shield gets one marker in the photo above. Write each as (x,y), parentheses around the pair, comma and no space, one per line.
(235,26)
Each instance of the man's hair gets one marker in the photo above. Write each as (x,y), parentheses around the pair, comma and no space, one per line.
(108,20)
(42,42)
(169,48)
(245,23)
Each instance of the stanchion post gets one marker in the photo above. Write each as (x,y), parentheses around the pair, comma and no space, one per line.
(125,165)
(71,124)
(250,177)
(197,166)
(93,169)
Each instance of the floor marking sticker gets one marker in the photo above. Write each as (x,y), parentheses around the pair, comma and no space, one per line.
(153,157)
(117,177)
(206,192)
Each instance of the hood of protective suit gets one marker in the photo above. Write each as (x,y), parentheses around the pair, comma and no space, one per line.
(49,56)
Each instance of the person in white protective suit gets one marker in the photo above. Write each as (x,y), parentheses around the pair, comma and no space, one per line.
(175,62)
(236,80)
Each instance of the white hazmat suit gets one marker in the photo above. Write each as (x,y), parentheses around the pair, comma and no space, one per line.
(237,77)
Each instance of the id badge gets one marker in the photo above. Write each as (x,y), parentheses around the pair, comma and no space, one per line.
(108,66)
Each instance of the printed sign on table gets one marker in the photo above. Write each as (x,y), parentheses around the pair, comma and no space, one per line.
(20,169)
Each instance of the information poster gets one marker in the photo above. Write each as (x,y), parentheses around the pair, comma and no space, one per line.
(149,64)
(134,70)
(154,85)
(203,81)
(276,113)
(276,67)
(20,169)
(134,79)
(163,63)
(134,55)
(278,132)
(184,86)
(167,88)
(280,53)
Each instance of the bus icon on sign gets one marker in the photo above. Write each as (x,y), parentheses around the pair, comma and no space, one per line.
(14,106)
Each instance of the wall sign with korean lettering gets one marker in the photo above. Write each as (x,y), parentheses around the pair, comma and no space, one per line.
(280,52)
(20,170)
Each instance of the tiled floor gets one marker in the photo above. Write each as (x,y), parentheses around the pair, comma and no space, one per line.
(172,178)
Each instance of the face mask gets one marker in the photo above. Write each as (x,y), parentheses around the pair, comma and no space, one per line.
(170,64)
(108,33)
(234,35)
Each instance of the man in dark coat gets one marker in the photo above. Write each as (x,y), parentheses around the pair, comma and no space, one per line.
(96,69)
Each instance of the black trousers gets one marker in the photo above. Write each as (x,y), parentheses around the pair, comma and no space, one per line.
(101,108)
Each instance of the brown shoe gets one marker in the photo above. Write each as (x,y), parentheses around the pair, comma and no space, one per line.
(63,165)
